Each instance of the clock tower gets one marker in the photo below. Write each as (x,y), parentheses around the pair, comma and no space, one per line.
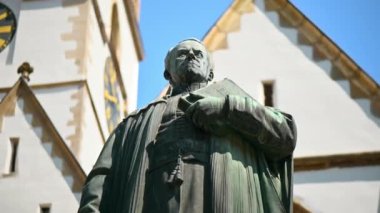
(112,96)
(7,26)
(85,58)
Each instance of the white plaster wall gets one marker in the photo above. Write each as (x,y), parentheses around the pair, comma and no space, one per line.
(92,142)
(129,62)
(105,9)
(328,120)
(38,40)
(58,103)
(97,52)
(37,180)
(348,190)
(41,25)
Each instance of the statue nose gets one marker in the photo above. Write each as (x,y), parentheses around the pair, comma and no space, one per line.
(191,54)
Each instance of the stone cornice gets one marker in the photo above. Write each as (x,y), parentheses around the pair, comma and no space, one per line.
(337,161)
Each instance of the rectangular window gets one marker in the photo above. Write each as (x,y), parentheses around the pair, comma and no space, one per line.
(14,147)
(268,90)
(12,166)
(45,208)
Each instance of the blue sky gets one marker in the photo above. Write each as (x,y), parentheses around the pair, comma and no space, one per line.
(353,25)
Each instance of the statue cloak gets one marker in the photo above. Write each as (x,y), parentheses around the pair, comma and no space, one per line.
(246,175)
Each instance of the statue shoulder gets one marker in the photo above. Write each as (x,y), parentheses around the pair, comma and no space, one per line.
(146,108)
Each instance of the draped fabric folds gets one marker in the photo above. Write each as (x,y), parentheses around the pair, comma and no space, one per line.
(117,181)
(243,178)
(244,181)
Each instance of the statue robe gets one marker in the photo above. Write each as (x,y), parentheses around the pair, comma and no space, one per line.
(250,167)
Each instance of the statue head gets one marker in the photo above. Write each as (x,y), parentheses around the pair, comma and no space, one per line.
(188,62)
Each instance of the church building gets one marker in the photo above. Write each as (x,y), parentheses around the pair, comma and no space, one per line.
(68,75)
(276,54)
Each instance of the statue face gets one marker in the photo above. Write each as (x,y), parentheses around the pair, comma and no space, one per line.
(188,63)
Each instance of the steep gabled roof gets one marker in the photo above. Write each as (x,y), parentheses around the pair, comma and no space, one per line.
(51,140)
(362,86)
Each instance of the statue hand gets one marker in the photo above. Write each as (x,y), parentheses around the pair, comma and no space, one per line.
(208,113)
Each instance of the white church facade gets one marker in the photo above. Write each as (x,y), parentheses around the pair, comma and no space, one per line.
(83,82)
(282,59)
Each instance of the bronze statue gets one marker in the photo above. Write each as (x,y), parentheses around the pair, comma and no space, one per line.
(202,149)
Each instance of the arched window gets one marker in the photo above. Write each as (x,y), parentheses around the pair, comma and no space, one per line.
(115,32)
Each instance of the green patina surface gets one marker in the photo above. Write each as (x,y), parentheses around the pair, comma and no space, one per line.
(202,149)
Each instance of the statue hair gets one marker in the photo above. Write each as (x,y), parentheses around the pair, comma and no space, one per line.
(210,61)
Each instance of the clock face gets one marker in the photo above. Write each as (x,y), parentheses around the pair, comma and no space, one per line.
(7,26)
(111,95)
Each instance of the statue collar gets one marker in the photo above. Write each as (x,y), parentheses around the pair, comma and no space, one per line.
(187,88)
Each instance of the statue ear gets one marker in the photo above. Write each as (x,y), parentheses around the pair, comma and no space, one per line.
(167,75)
(210,76)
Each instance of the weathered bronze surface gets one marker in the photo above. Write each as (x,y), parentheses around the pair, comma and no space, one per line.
(204,148)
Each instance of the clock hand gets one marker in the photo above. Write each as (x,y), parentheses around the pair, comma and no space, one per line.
(110,97)
(5,29)
(3,15)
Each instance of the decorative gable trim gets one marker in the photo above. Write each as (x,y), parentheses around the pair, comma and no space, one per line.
(298,207)
(52,142)
(361,85)
(216,37)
